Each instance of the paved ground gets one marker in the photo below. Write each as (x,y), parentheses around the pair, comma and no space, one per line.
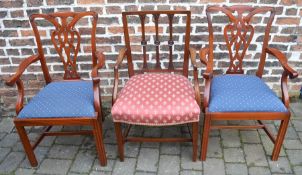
(230,152)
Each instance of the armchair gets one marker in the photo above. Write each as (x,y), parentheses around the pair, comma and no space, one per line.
(236,96)
(154,96)
(69,102)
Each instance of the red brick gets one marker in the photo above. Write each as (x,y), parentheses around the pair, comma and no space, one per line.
(31,33)
(288,2)
(150,29)
(90,1)
(60,2)
(288,20)
(17,13)
(11,3)
(285,39)
(113,10)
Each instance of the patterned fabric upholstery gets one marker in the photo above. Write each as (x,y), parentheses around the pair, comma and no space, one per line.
(61,99)
(156,99)
(243,93)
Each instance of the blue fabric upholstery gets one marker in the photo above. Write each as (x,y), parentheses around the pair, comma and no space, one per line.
(61,99)
(243,93)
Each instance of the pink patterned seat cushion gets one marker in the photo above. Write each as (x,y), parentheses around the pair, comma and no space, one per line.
(156,99)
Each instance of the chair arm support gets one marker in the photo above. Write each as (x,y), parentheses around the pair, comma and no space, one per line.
(15,79)
(100,63)
(203,52)
(288,72)
(195,75)
(207,75)
(206,94)
(283,61)
(23,65)
(119,60)
(192,52)
(95,81)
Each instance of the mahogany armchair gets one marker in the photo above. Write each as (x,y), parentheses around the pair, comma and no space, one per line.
(153,96)
(236,96)
(66,103)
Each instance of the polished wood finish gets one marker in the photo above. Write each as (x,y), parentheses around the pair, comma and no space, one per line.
(156,15)
(122,136)
(63,38)
(238,35)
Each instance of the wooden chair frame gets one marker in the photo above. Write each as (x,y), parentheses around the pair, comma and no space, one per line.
(207,56)
(122,136)
(98,60)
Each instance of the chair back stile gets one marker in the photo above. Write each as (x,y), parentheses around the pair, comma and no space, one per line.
(66,40)
(156,15)
(238,34)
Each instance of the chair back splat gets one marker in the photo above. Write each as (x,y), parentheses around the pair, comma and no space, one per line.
(66,40)
(239,33)
(162,22)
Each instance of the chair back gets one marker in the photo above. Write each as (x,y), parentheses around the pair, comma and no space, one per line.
(65,38)
(238,33)
(162,25)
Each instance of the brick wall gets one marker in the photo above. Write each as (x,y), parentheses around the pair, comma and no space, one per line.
(17,41)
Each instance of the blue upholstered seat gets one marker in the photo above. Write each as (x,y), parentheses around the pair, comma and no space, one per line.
(243,93)
(61,99)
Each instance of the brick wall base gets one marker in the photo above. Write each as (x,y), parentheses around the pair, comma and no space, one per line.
(17,40)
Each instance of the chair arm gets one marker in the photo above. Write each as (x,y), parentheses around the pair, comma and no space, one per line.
(195,75)
(288,72)
(119,60)
(95,81)
(15,79)
(192,52)
(23,65)
(207,75)
(100,63)
(203,52)
(283,61)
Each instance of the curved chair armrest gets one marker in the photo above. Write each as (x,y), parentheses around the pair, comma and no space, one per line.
(95,81)
(23,65)
(283,61)
(207,75)
(101,62)
(203,52)
(192,52)
(288,72)
(119,60)
(195,75)
(15,79)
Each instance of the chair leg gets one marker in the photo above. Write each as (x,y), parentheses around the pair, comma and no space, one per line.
(205,137)
(26,145)
(98,135)
(279,139)
(195,140)
(102,111)
(120,140)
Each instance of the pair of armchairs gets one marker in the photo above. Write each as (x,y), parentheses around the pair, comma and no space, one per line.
(158,95)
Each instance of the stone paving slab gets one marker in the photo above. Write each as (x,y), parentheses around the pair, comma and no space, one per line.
(231,152)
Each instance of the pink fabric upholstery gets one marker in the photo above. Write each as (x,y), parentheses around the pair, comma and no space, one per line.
(156,99)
